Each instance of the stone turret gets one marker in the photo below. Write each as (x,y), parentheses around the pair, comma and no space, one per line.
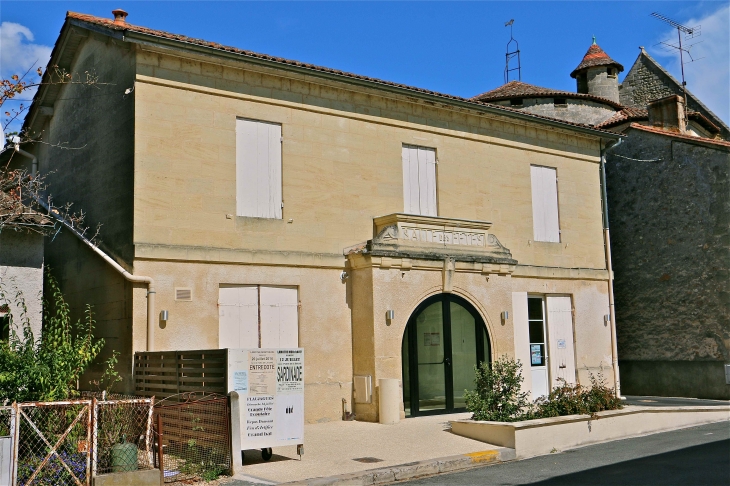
(597,74)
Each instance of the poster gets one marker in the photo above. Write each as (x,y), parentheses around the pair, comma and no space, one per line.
(270,384)
(536,354)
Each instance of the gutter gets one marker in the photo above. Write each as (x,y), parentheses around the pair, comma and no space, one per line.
(609,267)
(34,159)
(132,278)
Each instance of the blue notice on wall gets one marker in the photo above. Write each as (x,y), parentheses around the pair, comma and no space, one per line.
(240,381)
(536,354)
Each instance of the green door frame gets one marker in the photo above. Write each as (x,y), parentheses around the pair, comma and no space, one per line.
(410,335)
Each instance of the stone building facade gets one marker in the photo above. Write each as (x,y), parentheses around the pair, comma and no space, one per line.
(388,222)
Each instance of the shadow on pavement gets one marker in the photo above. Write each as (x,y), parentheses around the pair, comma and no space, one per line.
(661,469)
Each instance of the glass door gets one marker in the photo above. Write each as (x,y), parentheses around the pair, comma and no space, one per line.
(444,340)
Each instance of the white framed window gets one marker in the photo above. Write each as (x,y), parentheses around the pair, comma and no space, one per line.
(545,220)
(419,180)
(258,316)
(258,169)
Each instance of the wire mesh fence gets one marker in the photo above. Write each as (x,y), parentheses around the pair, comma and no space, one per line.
(195,438)
(69,442)
(122,436)
(53,443)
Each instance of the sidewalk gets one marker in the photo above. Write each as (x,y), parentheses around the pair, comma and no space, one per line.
(331,449)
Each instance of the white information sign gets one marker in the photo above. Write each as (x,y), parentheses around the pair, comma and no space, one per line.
(270,385)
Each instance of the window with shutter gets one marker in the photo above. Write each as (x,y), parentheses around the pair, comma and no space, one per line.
(257,316)
(419,180)
(258,169)
(545,219)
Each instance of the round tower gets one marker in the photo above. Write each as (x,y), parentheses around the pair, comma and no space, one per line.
(597,74)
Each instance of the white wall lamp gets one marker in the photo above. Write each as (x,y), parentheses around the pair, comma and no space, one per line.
(505,316)
(389,316)
(164,315)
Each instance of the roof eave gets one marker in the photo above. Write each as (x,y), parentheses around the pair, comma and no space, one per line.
(144,38)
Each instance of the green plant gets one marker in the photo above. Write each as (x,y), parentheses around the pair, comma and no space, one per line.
(498,395)
(570,399)
(47,368)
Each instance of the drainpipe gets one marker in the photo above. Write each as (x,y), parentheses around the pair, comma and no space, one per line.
(609,267)
(34,164)
(132,278)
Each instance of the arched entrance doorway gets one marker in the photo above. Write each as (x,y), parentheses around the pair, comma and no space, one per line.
(444,339)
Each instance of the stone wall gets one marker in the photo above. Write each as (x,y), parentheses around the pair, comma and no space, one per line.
(670,233)
(646,82)
(575,110)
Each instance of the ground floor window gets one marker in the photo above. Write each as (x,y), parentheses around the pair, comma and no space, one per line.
(258,316)
(444,339)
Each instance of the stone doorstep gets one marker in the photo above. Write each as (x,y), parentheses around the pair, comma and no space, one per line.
(413,470)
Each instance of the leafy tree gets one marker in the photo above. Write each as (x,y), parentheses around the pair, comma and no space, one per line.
(47,368)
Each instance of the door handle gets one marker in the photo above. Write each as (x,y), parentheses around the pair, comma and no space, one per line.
(447,361)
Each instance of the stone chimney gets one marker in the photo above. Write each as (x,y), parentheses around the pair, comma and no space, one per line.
(668,114)
(120,16)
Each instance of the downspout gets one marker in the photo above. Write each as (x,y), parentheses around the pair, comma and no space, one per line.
(132,278)
(34,164)
(609,267)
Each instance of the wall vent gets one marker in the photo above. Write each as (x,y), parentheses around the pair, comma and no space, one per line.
(183,294)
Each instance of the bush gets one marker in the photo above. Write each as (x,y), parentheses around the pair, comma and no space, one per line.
(568,399)
(47,368)
(498,395)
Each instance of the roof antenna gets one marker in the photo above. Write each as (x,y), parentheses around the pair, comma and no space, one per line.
(689,33)
(512,54)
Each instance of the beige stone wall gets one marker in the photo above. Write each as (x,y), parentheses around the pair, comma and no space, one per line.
(324,319)
(342,164)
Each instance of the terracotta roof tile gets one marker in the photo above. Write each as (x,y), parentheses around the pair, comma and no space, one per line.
(668,133)
(632,114)
(595,57)
(109,24)
(518,89)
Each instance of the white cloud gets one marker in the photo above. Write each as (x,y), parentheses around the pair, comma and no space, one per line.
(709,77)
(18,54)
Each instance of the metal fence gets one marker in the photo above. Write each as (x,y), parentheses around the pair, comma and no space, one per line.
(195,437)
(68,442)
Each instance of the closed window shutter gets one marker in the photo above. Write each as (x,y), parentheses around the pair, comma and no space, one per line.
(238,317)
(545,219)
(258,169)
(419,180)
(279,317)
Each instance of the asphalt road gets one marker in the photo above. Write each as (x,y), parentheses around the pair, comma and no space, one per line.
(695,456)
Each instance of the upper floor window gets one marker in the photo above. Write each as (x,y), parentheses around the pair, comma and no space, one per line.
(545,221)
(258,169)
(419,180)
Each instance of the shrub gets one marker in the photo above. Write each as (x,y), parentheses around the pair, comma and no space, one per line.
(569,399)
(498,395)
(47,368)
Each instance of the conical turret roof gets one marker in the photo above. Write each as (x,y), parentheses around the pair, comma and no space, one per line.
(595,57)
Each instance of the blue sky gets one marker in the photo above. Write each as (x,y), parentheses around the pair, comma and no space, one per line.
(451,47)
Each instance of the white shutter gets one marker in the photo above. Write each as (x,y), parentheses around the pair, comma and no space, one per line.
(419,180)
(258,169)
(560,339)
(545,204)
(279,317)
(238,317)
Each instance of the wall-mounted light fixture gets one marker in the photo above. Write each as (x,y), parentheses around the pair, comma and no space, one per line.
(606,319)
(389,316)
(164,315)
(343,276)
(504,315)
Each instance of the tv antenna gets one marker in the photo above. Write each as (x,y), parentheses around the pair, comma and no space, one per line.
(511,54)
(689,33)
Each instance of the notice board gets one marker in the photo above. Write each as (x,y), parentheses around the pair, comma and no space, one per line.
(270,385)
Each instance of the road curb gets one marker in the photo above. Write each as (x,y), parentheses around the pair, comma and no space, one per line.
(413,470)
